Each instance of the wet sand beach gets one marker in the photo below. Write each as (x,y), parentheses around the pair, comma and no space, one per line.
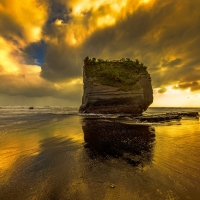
(79,157)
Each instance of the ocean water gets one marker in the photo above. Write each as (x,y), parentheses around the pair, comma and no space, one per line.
(56,153)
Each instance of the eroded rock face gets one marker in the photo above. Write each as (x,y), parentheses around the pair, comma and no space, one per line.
(101,98)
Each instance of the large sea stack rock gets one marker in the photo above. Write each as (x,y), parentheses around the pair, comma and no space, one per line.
(120,86)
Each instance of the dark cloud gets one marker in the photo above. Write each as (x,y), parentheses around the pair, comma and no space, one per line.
(61,63)
(172,63)
(9,26)
(21,85)
(162,89)
(194,86)
(58,10)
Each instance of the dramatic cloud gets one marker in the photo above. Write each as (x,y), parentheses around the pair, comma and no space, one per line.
(43,44)
(22,21)
(31,85)
(193,86)
(162,89)
(172,63)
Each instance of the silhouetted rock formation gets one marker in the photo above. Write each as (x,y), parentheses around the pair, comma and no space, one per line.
(122,86)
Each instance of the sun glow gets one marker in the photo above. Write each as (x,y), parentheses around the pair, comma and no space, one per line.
(175,98)
(58,22)
(145,1)
(71,39)
(35,34)
(76,81)
(107,20)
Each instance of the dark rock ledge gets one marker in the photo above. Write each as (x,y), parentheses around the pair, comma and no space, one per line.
(166,117)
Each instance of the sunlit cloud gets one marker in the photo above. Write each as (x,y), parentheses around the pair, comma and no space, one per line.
(26,18)
(58,22)
(192,86)
(88,16)
(7,62)
(145,1)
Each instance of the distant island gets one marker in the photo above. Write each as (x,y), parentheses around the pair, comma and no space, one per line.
(117,86)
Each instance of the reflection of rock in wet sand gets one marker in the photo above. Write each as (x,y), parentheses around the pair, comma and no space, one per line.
(132,143)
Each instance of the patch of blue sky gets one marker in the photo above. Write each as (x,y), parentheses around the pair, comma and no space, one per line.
(36,51)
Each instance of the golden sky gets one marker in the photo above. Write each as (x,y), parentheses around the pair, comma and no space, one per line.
(43,44)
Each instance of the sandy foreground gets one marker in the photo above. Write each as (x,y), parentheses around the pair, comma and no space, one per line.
(74,157)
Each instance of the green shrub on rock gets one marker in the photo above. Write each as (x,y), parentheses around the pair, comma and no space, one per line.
(123,74)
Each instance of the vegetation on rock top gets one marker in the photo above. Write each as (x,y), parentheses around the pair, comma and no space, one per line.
(123,74)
